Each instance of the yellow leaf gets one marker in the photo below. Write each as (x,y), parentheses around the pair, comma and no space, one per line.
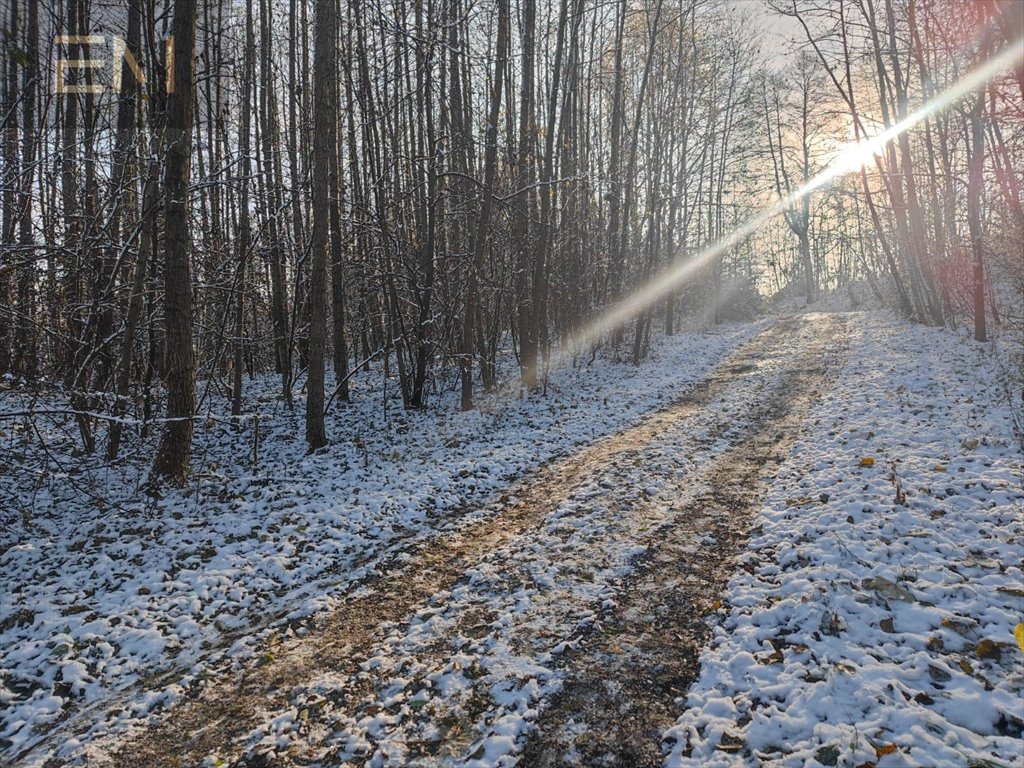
(867,461)
(961,625)
(939,468)
(1018,632)
(885,749)
(986,649)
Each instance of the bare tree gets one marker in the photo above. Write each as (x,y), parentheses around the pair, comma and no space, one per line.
(325,101)
(174,452)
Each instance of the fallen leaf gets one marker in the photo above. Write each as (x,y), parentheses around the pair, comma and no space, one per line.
(1018,633)
(831,624)
(827,755)
(938,674)
(987,649)
(867,461)
(961,626)
(885,749)
(730,743)
(888,589)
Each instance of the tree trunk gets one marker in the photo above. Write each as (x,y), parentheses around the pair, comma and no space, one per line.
(975,181)
(338,277)
(487,193)
(150,200)
(10,184)
(278,288)
(523,212)
(244,225)
(174,452)
(325,102)
(25,340)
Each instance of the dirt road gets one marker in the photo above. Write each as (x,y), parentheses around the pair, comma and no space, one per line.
(563,630)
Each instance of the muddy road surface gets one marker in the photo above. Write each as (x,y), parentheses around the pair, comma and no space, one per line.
(563,630)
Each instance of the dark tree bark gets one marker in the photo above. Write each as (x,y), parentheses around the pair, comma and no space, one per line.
(272,210)
(522,233)
(9,181)
(338,273)
(487,193)
(25,339)
(325,102)
(150,197)
(175,449)
(975,182)
(425,144)
(244,224)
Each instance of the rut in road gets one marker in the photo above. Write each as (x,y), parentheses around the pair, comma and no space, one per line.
(327,680)
(625,687)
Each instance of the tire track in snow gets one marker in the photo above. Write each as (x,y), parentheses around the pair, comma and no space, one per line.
(625,684)
(221,716)
(462,681)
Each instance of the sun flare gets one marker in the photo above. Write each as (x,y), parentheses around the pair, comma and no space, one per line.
(849,159)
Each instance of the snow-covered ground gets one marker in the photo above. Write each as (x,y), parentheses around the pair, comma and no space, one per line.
(872,620)
(103,586)
(465,679)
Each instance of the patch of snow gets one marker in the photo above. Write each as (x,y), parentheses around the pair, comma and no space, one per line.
(872,619)
(104,586)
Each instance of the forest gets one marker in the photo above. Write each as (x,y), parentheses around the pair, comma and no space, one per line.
(378,261)
(429,186)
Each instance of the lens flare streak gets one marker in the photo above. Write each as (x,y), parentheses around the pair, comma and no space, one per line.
(850,158)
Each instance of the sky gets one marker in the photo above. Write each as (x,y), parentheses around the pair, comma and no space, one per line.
(779,30)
